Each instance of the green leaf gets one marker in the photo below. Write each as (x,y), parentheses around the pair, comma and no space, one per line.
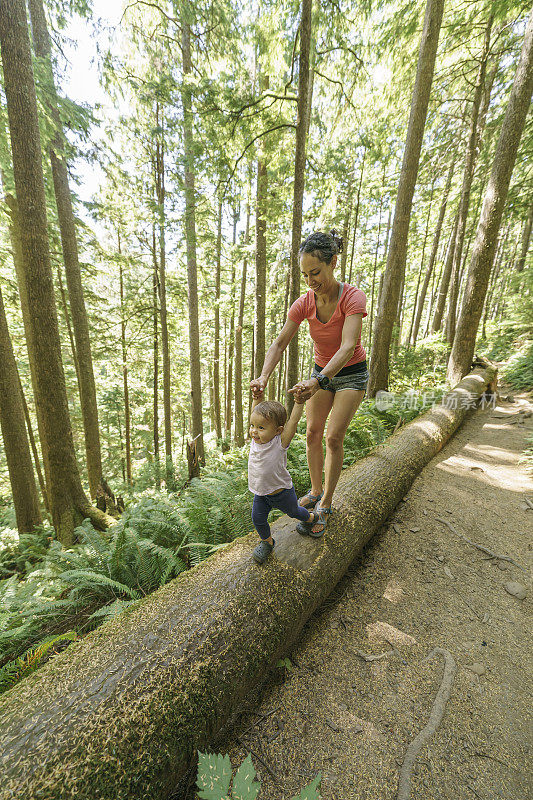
(214,776)
(311,792)
(245,787)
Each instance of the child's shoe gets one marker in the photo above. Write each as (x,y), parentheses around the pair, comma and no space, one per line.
(262,551)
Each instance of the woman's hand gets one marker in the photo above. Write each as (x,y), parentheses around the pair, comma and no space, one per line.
(257,387)
(303,390)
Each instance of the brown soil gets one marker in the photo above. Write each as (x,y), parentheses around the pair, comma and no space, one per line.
(417,586)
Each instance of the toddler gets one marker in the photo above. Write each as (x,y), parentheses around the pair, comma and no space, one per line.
(268,478)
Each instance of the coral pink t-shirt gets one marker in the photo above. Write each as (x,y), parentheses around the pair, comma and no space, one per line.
(327,336)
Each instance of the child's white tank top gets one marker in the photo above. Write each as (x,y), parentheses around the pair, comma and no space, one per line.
(267,467)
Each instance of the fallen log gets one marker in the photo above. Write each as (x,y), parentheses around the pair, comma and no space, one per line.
(120,714)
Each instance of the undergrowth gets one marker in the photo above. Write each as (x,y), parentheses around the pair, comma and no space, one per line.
(47,591)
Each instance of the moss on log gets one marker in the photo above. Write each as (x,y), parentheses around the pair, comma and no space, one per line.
(120,713)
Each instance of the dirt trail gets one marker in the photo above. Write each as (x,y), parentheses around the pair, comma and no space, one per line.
(417,586)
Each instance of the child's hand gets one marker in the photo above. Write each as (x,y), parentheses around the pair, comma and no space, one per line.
(258,388)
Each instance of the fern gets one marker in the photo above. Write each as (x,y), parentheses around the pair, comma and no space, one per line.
(14,671)
(215,776)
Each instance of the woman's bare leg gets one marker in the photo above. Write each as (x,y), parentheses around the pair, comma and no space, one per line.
(345,404)
(317,410)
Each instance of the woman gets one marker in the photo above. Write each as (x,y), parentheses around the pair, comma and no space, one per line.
(337,384)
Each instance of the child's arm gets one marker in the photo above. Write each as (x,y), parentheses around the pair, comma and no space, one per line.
(292,423)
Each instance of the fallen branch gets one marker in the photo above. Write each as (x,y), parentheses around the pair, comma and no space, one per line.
(490,553)
(435,718)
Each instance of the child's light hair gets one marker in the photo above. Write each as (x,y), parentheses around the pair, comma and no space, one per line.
(271,409)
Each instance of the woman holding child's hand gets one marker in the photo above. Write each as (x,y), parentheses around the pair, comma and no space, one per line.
(335,312)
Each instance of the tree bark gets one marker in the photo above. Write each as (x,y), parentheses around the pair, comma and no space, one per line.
(160,193)
(395,270)
(13,426)
(303,115)
(123,346)
(492,211)
(68,501)
(433,255)
(190,231)
(155,384)
(163,678)
(260,250)
(526,235)
(356,214)
(216,357)
(445,279)
(409,340)
(239,423)
(468,175)
(228,415)
(67,228)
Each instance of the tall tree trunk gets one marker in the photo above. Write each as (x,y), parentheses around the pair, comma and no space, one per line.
(260,250)
(356,214)
(160,191)
(526,235)
(67,227)
(190,232)
(127,417)
(468,174)
(445,279)
(395,270)
(216,357)
(374,273)
(409,339)
(346,228)
(491,214)
(495,271)
(68,501)
(239,423)
(155,384)
(16,246)
(231,340)
(433,255)
(303,114)
(16,242)
(13,426)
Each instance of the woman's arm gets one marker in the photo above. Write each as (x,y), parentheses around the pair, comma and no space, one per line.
(272,358)
(351,331)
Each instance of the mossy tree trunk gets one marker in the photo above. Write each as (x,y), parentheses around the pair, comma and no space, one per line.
(190,234)
(468,176)
(69,244)
(239,422)
(303,117)
(68,501)
(119,715)
(16,446)
(395,270)
(216,357)
(434,248)
(492,211)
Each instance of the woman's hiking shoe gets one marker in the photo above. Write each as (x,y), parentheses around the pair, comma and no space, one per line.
(320,523)
(304,528)
(262,551)
(309,500)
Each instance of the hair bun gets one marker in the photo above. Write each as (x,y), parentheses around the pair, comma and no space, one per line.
(337,239)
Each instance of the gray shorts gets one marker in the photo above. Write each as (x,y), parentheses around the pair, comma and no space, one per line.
(357,380)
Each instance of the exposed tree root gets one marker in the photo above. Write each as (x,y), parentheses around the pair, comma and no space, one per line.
(435,718)
(479,546)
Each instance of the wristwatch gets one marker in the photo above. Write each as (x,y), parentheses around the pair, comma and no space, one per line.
(323,381)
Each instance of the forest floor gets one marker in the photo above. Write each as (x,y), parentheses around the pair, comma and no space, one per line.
(417,586)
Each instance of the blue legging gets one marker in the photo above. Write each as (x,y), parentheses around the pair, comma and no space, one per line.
(285,500)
